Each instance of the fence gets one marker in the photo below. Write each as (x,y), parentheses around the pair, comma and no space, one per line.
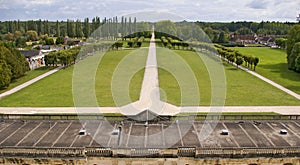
(153,153)
(247,152)
(119,117)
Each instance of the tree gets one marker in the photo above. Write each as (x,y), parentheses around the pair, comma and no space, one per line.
(51,59)
(46,27)
(116,30)
(230,57)
(209,32)
(239,61)
(49,41)
(255,62)
(17,34)
(251,61)
(40,29)
(222,38)
(294,54)
(21,42)
(297,64)
(13,64)
(86,28)
(5,74)
(134,25)
(118,44)
(244,31)
(71,31)
(79,32)
(57,29)
(292,38)
(60,40)
(280,42)
(129,26)
(32,35)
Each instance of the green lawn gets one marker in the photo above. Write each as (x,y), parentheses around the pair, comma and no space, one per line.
(273,65)
(28,76)
(133,63)
(242,88)
(125,69)
(56,90)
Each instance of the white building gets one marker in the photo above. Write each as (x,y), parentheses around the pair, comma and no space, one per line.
(35,58)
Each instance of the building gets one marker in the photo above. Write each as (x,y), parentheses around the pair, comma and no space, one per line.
(243,39)
(35,58)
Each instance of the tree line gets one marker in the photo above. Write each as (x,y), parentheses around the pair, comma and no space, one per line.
(219,32)
(71,28)
(13,64)
(20,32)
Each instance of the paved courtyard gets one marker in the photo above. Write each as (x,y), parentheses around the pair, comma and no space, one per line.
(65,133)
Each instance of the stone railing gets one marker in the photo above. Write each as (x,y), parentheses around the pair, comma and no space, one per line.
(149,152)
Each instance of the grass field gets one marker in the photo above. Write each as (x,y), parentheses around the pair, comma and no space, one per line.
(56,90)
(28,76)
(106,71)
(242,88)
(273,65)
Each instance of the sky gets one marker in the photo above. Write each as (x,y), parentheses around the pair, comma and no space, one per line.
(152,10)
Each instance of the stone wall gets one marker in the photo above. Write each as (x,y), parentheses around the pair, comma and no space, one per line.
(152,161)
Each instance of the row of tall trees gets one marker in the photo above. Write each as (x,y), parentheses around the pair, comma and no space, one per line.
(72,28)
(13,64)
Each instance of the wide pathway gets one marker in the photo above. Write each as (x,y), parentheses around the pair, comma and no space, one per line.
(150,86)
(284,110)
(150,92)
(24,85)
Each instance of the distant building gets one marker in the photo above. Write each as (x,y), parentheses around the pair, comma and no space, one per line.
(243,39)
(268,40)
(35,58)
(69,41)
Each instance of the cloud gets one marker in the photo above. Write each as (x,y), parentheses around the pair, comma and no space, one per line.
(202,10)
(258,4)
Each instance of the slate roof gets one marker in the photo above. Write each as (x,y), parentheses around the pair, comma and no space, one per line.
(30,53)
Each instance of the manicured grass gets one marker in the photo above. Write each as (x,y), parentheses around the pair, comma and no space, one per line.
(110,62)
(242,88)
(255,45)
(273,65)
(52,91)
(171,71)
(56,90)
(29,75)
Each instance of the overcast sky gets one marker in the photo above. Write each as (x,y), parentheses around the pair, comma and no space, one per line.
(192,10)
